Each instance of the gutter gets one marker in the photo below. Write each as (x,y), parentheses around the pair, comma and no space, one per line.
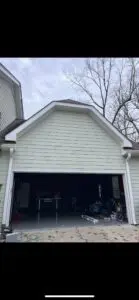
(134,152)
(7,146)
(130,188)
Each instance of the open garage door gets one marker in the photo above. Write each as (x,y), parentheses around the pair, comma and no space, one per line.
(49,200)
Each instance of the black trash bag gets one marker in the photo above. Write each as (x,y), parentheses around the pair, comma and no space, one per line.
(96,207)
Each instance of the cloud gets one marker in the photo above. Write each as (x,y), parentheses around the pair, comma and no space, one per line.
(25,61)
(42,80)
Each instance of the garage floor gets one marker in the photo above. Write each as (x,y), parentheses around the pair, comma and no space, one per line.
(62,222)
(49,223)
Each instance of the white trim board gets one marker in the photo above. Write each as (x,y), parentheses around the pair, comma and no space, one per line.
(7,200)
(72,107)
(127,198)
(130,190)
(66,171)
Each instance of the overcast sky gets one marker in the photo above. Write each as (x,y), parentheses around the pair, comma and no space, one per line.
(43,80)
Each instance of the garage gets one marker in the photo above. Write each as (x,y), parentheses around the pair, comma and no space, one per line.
(49,200)
(67,166)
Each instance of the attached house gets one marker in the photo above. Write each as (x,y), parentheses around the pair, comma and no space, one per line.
(67,148)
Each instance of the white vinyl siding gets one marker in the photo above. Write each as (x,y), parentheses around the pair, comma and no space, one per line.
(134,173)
(68,141)
(7,104)
(4,163)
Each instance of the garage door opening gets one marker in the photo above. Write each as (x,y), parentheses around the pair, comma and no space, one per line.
(49,200)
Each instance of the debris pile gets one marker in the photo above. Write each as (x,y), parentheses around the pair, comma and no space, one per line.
(108,211)
(90,219)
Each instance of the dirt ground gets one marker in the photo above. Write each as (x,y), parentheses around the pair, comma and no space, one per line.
(122,233)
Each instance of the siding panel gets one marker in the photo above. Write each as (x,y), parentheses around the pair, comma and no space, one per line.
(7,104)
(68,141)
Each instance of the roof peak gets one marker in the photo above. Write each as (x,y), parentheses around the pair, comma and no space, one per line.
(73,101)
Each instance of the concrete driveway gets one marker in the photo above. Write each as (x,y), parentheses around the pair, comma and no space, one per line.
(121,233)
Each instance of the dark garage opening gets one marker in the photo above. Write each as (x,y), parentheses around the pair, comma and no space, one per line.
(47,200)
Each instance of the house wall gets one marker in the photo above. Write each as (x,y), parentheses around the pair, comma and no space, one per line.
(134,173)
(68,141)
(4,163)
(7,104)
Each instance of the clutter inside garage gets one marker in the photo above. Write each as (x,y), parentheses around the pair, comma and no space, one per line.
(90,197)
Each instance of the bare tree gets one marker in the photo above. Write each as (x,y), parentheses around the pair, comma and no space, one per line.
(125,106)
(95,81)
(114,89)
(126,124)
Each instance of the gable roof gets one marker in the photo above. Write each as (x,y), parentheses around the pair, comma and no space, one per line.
(8,76)
(71,105)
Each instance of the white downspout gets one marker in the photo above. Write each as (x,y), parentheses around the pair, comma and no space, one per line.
(130,189)
(7,200)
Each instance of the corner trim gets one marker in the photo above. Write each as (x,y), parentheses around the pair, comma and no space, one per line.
(130,189)
(7,202)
